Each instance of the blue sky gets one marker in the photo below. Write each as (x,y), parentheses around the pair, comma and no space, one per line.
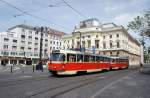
(117,11)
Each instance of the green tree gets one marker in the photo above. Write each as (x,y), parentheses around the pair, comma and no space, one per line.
(141,25)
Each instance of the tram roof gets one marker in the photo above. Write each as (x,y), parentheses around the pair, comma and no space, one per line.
(78,52)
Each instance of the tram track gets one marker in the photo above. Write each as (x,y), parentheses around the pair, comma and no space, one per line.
(72,86)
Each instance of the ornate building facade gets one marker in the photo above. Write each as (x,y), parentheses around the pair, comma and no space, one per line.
(104,39)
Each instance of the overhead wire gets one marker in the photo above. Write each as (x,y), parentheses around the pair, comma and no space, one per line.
(79,13)
(32,15)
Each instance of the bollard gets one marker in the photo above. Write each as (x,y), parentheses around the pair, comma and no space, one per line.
(11,69)
(33,68)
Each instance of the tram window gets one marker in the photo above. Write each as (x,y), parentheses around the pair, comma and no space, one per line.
(102,59)
(108,59)
(79,58)
(113,60)
(97,58)
(86,58)
(57,57)
(71,57)
(118,60)
(92,58)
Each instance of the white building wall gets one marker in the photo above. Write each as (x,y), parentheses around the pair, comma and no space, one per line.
(31,43)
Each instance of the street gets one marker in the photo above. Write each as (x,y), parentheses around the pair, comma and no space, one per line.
(128,83)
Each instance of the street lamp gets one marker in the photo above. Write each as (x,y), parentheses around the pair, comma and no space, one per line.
(80,41)
(41,30)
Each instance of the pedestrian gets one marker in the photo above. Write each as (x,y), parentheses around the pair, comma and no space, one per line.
(141,65)
(41,65)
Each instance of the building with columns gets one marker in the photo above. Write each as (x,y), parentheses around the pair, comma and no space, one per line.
(21,44)
(104,39)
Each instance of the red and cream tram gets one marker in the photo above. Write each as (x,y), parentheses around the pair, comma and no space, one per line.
(63,62)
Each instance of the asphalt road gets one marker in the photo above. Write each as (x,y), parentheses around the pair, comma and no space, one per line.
(128,83)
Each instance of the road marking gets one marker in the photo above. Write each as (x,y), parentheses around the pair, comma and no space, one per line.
(108,86)
(25,76)
(101,77)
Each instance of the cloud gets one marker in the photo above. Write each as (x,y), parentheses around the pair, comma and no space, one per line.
(113,8)
(124,19)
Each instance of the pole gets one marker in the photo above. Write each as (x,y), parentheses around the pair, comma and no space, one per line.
(80,41)
(41,43)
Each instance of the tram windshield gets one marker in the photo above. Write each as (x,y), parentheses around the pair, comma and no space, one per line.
(57,57)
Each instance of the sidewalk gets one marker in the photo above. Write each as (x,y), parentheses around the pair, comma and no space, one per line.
(145,69)
(20,69)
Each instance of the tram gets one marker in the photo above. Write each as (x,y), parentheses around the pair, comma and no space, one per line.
(68,62)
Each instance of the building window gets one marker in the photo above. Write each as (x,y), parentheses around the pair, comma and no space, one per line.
(35,43)
(118,44)
(104,45)
(5,47)
(83,44)
(14,47)
(88,36)
(104,53)
(35,49)
(51,42)
(6,39)
(117,35)
(46,40)
(46,45)
(29,43)
(30,37)
(36,38)
(23,42)
(5,53)
(110,53)
(29,48)
(14,41)
(23,30)
(30,32)
(96,36)
(110,36)
(117,53)
(36,33)
(97,43)
(103,37)
(110,44)
(21,48)
(89,43)
(22,36)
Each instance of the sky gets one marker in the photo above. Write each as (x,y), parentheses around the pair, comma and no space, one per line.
(56,14)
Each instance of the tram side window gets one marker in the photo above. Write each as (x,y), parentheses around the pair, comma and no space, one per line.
(79,58)
(92,58)
(71,57)
(118,60)
(102,59)
(113,60)
(105,59)
(86,58)
(97,58)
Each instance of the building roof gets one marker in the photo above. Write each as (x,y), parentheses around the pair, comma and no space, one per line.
(50,30)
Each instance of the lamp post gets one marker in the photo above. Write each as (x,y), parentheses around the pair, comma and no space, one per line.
(41,30)
(80,40)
